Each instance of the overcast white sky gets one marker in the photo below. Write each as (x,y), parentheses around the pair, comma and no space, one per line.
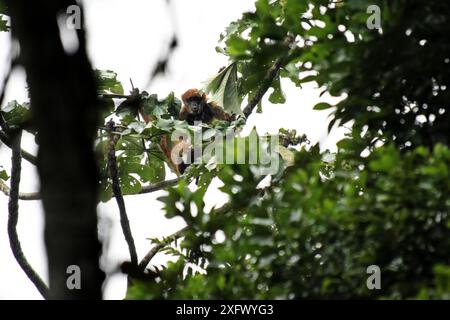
(128,37)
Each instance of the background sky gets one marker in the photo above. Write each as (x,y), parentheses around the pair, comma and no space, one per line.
(128,37)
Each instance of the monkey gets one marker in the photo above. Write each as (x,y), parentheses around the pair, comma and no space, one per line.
(134,104)
(197,108)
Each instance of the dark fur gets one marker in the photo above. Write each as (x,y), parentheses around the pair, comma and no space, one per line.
(209,111)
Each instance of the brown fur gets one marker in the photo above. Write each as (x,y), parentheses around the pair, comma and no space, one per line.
(209,111)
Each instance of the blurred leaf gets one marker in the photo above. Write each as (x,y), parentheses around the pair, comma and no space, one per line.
(277,95)
(3,23)
(3,174)
(15,113)
(107,82)
(224,89)
(322,106)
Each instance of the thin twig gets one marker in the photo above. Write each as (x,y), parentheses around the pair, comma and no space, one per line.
(113,96)
(13,218)
(22,195)
(155,249)
(125,223)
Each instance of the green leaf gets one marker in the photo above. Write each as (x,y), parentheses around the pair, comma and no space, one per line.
(224,89)
(277,95)
(170,124)
(259,107)
(107,82)
(386,162)
(293,11)
(152,106)
(107,107)
(308,79)
(154,170)
(105,191)
(3,174)
(129,184)
(16,113)
(137,126)
(346,144)
(238,48)
(322,106)
(173,105)
(3,24)
(130,145)
(3,7)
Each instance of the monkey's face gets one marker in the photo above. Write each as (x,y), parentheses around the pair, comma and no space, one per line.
(195,105)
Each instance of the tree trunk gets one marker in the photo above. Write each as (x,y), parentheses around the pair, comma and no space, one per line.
(65,112)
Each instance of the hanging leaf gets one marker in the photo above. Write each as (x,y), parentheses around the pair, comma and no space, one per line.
(322,106)
(224,89)
(277,95)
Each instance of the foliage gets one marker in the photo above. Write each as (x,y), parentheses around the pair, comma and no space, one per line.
(3,22)
(16,114)
(3,174)
(375,71)
(382,199)
(107,82)
(314,232)
(225,89)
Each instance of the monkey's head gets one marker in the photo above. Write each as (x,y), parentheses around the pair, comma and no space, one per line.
(194,101)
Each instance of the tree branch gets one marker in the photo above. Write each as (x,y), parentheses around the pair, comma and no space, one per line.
(113,96)
(13,218)
(159,185)
(28,196)
(167,240)
(124,222)
(155,249)
(3,125)
(26,155)
(22,195)
(270,76)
